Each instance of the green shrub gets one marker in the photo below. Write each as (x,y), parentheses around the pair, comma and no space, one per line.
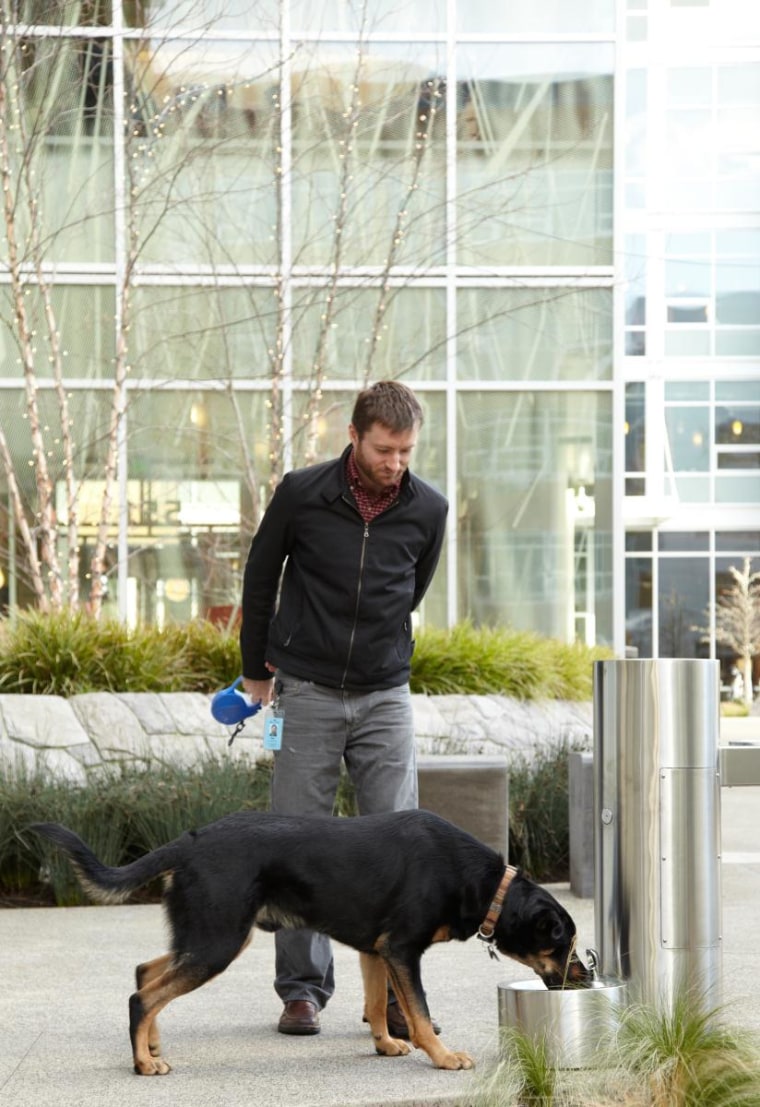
(488,660)
(121,813)
(211,655)
(127,812)
(685,1056)
(733,709)
(66,653)
(124,812)
(539,818)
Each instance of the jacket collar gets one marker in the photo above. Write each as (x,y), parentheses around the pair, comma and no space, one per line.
(337,485)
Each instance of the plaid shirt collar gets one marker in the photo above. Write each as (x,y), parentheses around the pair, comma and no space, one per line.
(370,504)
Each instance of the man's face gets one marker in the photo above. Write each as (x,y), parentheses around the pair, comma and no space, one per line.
(382,455)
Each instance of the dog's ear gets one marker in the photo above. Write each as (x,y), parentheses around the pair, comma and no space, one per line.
(551,926)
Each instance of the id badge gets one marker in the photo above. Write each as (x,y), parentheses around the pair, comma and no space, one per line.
(273,724)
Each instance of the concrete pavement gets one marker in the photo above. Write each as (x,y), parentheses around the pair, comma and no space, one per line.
(67,972)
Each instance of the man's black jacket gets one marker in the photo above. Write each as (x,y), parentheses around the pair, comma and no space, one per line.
(348,588)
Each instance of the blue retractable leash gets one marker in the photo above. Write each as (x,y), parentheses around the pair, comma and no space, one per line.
(232,708)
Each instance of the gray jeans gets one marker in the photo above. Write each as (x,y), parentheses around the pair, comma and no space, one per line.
(373,733)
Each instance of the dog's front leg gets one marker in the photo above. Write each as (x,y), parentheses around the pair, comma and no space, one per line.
(407,984)
(375,979)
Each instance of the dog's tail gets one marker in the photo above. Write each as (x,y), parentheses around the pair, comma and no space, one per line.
(101,882)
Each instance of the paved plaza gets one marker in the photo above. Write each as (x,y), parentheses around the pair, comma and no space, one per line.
(67,973)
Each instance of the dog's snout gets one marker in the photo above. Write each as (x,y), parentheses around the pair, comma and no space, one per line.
(578,974)
(575,975)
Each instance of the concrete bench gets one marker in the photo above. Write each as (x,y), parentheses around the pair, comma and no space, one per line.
(472,792)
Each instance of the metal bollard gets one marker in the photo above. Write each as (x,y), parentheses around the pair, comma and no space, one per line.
(657,835)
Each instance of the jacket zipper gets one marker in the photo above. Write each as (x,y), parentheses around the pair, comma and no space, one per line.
(365,537)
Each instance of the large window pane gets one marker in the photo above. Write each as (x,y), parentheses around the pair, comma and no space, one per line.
(635,439)
(88,412)
(534,130)
(198,477)
(710,145)
(541,16)
(83,317)
(199,15)
(203,159)
(683,600)
(350,16)
(58,125)
(534,334)
(638,606)
(738,489)
(689,438)
(370,333)
(57,13)
(199,333)
(368,155)
(534,510)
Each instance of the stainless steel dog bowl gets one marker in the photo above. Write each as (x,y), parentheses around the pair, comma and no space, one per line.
(574,1022)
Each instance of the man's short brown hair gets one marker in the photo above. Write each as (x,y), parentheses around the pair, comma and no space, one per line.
(388,402)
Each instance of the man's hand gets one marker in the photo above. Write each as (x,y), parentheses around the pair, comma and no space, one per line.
(259,690)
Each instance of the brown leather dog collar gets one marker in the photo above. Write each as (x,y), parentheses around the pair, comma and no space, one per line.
(488,925)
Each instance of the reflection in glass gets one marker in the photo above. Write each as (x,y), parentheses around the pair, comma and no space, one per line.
(203,156)
(737,489)
(199,15)
(368,154)
(683,541)
(635,437)
(539,16)
(534,130)
(744,541)
(58,125)
(737,425)
(688,431)
(350,17)
(687,342)
(370,333)
(638,606)
(688,291)
(83,317)
(61,13)
(534,334)
(198,479)
(196,333)
(683,599)
(534,511)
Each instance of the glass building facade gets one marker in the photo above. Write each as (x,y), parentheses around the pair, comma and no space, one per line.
(223,218)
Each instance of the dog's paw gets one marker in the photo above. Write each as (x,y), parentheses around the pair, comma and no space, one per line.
(454,1061)
(392,1047)
(156,1066)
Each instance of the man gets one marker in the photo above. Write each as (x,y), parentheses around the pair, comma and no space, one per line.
(327,642)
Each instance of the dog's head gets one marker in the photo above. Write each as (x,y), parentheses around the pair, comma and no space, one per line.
(537,930)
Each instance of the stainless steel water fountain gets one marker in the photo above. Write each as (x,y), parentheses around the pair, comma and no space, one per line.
(657,856)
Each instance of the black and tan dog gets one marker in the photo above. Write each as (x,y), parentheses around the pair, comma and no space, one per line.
(387,885)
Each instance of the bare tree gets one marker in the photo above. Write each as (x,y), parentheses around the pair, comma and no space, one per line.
(378,126)
(737,620)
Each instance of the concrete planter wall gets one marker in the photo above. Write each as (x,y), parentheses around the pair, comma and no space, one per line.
(70,737)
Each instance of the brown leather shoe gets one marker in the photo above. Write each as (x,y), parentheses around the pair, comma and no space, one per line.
(397,1027)
(299,1016)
